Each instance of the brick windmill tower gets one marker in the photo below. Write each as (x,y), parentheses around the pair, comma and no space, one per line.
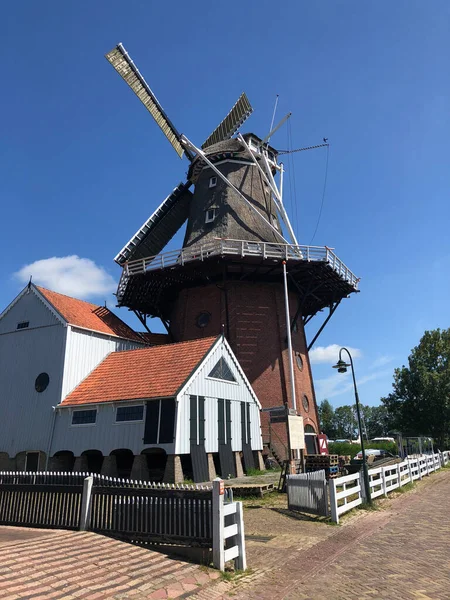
(229,274)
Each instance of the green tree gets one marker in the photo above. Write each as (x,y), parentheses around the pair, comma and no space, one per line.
(326,418)
(420,401)
(377,420)
(344,422)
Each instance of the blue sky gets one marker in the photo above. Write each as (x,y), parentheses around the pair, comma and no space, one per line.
(83,163)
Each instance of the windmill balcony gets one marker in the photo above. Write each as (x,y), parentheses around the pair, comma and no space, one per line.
(242,248)
(253,260)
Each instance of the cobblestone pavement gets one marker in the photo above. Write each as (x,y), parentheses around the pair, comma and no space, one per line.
(38,564)
(401,551)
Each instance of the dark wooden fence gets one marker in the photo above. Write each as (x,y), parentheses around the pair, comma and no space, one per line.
(132,510)
(155,515)
(40,505)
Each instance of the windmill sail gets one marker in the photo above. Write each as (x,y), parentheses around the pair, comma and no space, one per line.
(122,63)
(160,228)
(234,119)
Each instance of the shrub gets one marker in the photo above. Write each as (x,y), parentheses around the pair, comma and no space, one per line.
(344,448)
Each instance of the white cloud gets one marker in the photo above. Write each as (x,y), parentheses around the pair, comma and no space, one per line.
(341,383)
(71,275)
(381,361)
(330,354)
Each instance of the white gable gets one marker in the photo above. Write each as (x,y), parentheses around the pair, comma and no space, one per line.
(202,385)
(28,307)
(213,389)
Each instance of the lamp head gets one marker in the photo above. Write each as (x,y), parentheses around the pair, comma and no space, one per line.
(341,366)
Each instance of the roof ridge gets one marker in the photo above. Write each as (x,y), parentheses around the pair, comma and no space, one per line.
(41,288)
(148,348)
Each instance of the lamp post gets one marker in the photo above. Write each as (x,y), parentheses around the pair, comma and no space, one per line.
(342,366)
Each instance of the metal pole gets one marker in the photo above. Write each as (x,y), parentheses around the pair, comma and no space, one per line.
(289,339)
(358,413)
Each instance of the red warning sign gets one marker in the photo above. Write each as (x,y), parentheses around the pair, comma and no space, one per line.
(323,443)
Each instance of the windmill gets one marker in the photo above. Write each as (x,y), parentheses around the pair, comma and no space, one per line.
(228,274)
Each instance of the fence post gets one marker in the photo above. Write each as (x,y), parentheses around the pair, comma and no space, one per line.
(218,519)
(383,478)
(363,487)
(241,561)
(85,516)
(410,471)
(399,475)
(333,502)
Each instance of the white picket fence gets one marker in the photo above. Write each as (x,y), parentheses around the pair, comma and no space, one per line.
(348,492)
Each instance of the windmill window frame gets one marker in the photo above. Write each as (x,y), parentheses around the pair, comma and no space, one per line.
(23,325)
(212,182)
(210,215)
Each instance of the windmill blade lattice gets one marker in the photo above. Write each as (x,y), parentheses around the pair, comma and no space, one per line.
(122,63)
(160,227)
(234,119)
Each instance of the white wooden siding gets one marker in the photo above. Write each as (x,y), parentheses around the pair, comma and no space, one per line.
(212,389)
(84,351)
(27,308)
(106,435)
(26,415)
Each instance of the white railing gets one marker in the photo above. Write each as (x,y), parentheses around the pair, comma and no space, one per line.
(241,248)
(348,492)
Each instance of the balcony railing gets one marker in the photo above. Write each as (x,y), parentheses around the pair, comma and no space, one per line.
(241,248)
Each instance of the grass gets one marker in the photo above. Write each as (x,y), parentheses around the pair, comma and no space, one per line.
(405,488)
(255,473)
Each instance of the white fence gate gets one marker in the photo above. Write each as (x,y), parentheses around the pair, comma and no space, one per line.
(228,530)
(348,492)
(307,492)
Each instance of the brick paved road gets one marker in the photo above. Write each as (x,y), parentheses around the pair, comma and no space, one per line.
(401,551)
(38,564)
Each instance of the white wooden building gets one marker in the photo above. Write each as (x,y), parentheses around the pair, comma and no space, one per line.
(81,390)
(174,411)
(48,343)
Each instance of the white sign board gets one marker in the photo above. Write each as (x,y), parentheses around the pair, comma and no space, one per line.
(296,432)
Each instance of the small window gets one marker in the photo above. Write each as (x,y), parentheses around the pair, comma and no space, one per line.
(299,361)
(130,413)
(305,403)
(23,325)
(212,182)
(222,371)
(84,417)
(210,215)
(203,319)
(41,383)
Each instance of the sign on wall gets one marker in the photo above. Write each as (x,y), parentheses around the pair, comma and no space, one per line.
(296,432)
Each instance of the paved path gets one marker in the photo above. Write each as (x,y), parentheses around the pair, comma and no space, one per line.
(401,551)
(38,564)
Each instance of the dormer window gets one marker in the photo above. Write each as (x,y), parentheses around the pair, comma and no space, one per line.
(212,183)
(23,325)
(210,215)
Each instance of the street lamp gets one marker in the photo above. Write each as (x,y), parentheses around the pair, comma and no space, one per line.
(342,367)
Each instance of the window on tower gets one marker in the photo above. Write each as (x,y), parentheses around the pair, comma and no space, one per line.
(210,215)
(212,182)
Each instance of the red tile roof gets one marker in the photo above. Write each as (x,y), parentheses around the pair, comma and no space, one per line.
(156,372)
(155,339)
(89,316)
